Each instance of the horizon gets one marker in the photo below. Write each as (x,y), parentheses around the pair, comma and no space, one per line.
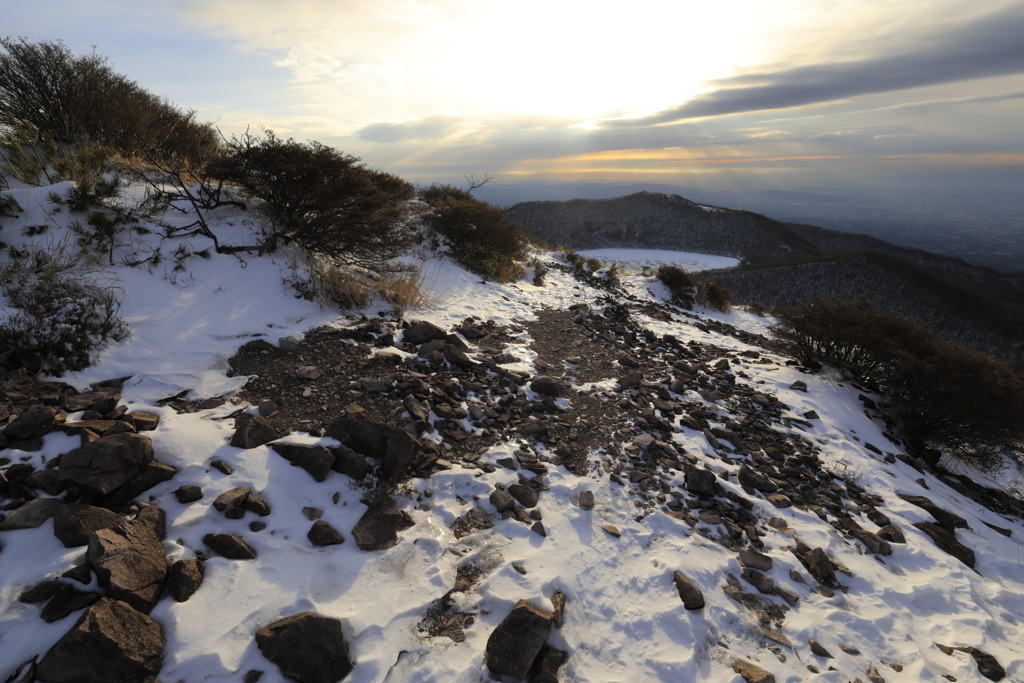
(910,109)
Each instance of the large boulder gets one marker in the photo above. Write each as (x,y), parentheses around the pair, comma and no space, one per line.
(395,449)
(378,528)
(31,515)
(130,563)
(35,421)
(252,431)
(306,647)
(317,460)
(513,646)
(103,465)
(421,332)
(947,542)
(110,643)
(73,523)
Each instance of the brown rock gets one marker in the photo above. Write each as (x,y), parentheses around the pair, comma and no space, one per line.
(104,465)
(818,649)
(110,643)
(31,515)
(252,431)
(184,579)
(378,528)
(73,523)
(306,647)
(692,597)
(947,542)
(323,534)
(36,421)
(231,546)
(317,460)
(751,672)
(526,495)
(129,562)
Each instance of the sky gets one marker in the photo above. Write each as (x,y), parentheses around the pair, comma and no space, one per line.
(918,95)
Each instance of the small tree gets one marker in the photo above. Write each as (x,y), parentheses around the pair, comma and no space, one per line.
(318,198)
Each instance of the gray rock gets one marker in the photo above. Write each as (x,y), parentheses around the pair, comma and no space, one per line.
(129,562)
(763,583)
(545,667)
(502,501)
(946,519)
(66,603)
(231,546)
(395,449)
(456,357)
(818,649)
(306,647)
(152,473)
(378,528)
(513,646)
(110,643)
(31,515)
(323,534)
(756,480)
(184,579)
(820,567)
(350,463)
(587,499)
(252,431)
(700,481)
(73,523)
(36,421)
(418,410)
(104,465)
(692,597)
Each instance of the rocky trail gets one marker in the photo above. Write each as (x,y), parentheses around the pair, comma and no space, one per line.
(672,449)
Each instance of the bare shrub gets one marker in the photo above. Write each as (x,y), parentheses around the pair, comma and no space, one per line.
(318,198)
(713,296)
(680,283)
(405,290)
(946,397)
(61,312)
(480,236)
(79,99)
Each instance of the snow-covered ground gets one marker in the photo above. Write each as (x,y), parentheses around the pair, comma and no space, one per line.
(638,259)
(624,620)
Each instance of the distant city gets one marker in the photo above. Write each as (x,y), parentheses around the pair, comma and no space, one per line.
(979,225)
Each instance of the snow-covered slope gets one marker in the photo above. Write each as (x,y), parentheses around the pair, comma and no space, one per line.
(623,619)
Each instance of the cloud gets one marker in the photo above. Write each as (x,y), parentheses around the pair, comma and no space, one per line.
(430,128)
(991,46)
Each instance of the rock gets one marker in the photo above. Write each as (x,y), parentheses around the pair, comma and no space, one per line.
(232,502)
(820,567)
(946,519)
(395,449)
(629,380)
(350,463)
(36,421)
(692,597)
(874,676)
(799,385)
(538,528)
(111,642)
(252,431)
(502,501)
(130,563)
(456,357)
(144,422)
(545,667)
(152,473)
(763,583)
(811,415)
(526,495)
(988,666)
(755,560)
(378,528)
(756,480)
(558,601)
(257,505)
(82,574)
(892,533)
(306,647)
(231,546)
(587,499)
(700,481)
(184,579)
(289,343)
(547,386)
(751,672)
(31,515)
(418,410)
(66,603)
(422,332)
(515,643)
(104,465)
(849,650)
(188,493)
(73,523)
(947,542)
(47,481)
(611,530)
(818,649)
(317,460)
(323,534)
(102,401)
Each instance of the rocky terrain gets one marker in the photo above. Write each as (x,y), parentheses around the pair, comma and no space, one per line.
(586,426)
